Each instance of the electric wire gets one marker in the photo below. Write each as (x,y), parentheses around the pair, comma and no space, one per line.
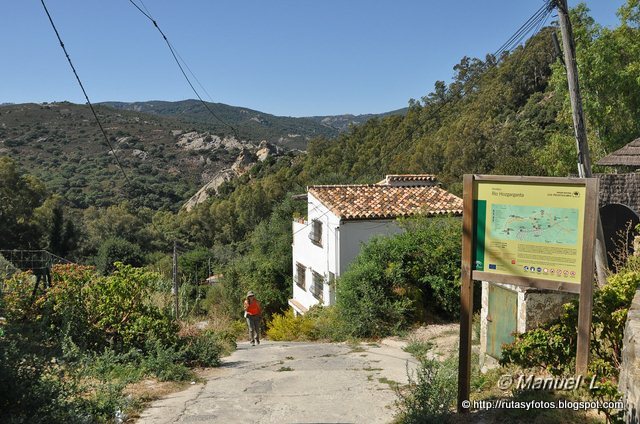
(525,28)
(175,55)
(534,21)
(95,115)
(86,96)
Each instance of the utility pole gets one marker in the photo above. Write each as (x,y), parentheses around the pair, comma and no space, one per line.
(580,130)
(174,289)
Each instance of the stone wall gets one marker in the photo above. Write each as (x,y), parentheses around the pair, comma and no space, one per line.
(620,188)
(629,382)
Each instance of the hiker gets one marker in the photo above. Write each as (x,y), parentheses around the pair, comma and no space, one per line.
(252,312)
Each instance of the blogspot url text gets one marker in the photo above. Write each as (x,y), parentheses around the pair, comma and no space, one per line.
(541,404)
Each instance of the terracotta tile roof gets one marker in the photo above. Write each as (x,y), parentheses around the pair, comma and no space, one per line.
(382,201)
(390,179)
(629,155)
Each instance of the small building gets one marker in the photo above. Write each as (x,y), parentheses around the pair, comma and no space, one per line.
(341,218)
(212,280)
(620,198)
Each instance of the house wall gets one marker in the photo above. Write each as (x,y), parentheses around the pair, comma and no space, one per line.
(341,242)
(321,258)
(620,188)
(353,234)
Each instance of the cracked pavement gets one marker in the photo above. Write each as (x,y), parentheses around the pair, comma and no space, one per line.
(292,382)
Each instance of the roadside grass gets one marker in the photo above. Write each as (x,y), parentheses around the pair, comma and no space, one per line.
(281,369)
(355,346)
(436,379)
(393,385)
(418,348)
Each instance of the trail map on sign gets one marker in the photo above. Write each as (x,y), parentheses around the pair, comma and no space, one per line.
(535,224)
(531,230)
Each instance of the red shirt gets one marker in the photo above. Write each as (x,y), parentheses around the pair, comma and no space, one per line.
(252,308)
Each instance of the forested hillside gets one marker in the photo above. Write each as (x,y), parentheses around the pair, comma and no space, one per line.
(165,159)
(506,115)
(249,124)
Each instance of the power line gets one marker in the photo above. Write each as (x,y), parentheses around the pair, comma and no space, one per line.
(525,28)
(534,21)
(175,55)
(95,115)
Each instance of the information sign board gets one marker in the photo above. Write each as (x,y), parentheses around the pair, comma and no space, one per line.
(529,230)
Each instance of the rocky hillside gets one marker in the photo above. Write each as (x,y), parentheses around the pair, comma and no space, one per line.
(250,124)
(166,159)
(253,124)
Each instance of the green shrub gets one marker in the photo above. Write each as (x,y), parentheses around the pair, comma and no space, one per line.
(366,299)
(65,306)
(327,323)
(202,350)
(418,348)
(319,323)
(431,393)
(18,302)
(164,362)
(115,250)
(395,280)
(119,307)
(31,392)
(553,345)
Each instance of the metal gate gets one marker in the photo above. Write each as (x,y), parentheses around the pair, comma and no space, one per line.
(501,319)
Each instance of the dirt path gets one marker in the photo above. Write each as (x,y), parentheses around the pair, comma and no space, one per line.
(286,382)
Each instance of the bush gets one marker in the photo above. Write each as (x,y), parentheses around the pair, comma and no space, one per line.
(399,279)
(164,362)
(18,302)
(118,306)
(65,304)
(202,350)
(320,323)
(431,394)
(288,327)
(30,391)
(553,346)
(117,250)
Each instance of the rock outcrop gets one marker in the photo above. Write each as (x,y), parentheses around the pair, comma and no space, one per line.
(210,188)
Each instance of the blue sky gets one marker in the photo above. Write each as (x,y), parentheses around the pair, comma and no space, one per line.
(288,57)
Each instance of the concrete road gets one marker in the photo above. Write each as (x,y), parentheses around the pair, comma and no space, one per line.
(285,382)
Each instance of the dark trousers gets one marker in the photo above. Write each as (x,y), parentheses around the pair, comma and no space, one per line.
(253,322)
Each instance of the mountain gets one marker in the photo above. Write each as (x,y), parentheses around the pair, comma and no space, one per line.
(342,122)
(165,159)
(252,124)
(169,150)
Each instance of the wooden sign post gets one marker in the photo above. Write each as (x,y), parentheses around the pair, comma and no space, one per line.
(532,232)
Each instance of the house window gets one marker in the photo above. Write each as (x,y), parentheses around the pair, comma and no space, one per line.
(301,275)
(316,232)
(317,286)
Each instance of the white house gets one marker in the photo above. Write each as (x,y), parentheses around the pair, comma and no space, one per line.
(341,218)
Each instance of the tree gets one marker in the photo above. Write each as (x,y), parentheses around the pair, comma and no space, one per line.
(20,195)
(117,250)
